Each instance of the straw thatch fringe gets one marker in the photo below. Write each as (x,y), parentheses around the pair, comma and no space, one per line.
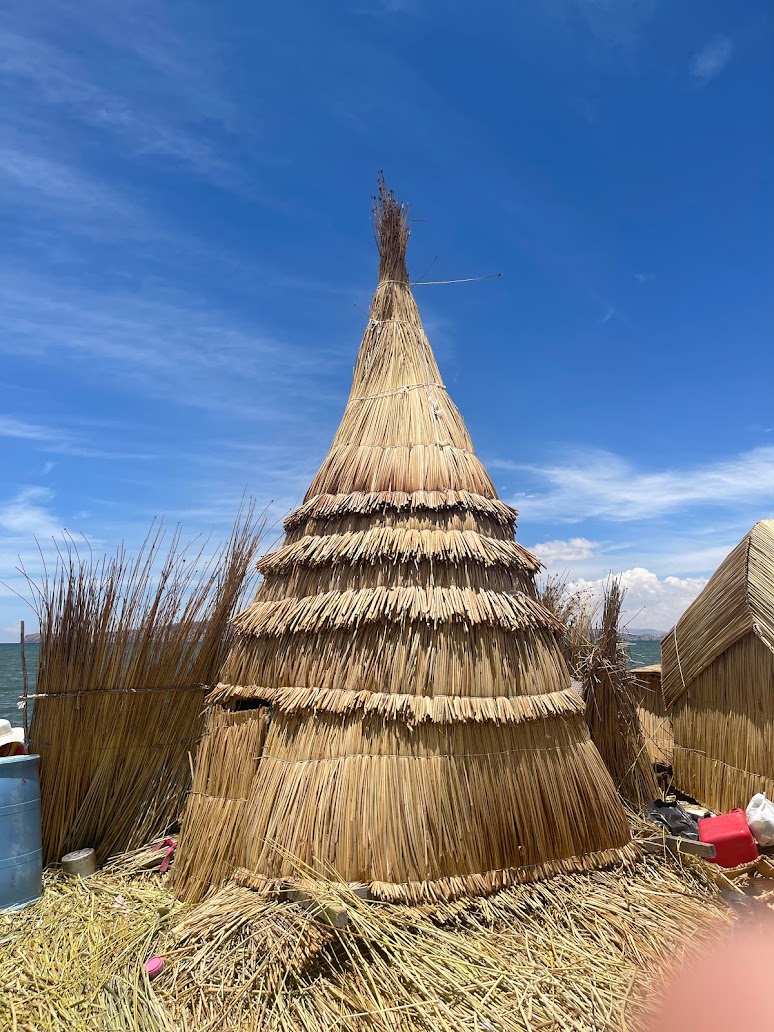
(330,506)
(399,545)
(302,581)
(447,890)
(376,467)
(738,599)
(439,709)
(375,799)
(211,842)
(433,605)
(420,659)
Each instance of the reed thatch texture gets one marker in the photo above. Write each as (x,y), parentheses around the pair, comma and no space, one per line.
(226,762)
(718,679)
(651,709)
(610,692)
(423,737)
(128,648)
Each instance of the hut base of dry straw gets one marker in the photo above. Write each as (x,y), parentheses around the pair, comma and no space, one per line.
(575,953)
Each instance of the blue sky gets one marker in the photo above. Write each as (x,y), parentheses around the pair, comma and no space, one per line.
(186,247)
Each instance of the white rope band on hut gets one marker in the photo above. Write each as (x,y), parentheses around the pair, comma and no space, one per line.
(677,654)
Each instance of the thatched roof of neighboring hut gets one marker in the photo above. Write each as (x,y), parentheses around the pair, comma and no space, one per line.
(738,600)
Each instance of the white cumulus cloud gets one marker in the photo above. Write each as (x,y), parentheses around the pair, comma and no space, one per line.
(556,553)
(651,601)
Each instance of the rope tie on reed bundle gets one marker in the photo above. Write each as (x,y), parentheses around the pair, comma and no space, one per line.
(566,747)
(398,390)
(677,654)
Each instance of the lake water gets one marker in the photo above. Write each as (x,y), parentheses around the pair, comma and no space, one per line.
(641,653)
(11,682)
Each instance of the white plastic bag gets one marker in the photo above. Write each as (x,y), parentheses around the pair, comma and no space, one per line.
(760,819)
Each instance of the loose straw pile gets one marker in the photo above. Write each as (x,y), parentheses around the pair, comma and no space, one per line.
(128,647)
(575,954)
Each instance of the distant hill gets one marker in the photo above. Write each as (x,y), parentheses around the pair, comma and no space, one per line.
(642,634)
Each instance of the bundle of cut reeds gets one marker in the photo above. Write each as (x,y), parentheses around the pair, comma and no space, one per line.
(128,648)
(424,737)
(611,696)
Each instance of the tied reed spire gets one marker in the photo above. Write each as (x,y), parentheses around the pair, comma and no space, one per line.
(391,228)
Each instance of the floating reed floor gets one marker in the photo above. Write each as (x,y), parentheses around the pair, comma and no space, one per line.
(579,953)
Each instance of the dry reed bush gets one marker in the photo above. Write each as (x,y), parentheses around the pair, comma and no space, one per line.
(718,679)
(575,610)
(128,647)
(611,707)
(423,732)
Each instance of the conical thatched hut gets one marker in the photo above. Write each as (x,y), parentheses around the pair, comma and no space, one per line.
(424,737)
(718,679)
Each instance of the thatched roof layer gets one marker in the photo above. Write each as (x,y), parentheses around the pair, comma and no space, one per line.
(738,600)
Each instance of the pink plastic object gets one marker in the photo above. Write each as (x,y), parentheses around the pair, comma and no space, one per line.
(154,966)
(731,838)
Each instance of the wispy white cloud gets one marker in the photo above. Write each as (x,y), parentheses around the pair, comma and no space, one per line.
(166,346)
(556,554)
(144,110)
(603,485)
(613,23)
(61,441)
(29,514)
(20,430)
(644,277)
(713,57)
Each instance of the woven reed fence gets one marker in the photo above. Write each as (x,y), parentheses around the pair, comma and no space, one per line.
(128,648)
(424,737)
(718,679)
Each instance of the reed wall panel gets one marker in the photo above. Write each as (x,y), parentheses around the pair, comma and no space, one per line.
(724,728)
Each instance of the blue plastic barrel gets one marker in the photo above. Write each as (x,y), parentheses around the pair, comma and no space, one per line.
(21,849)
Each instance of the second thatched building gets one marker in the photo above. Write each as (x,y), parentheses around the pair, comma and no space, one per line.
(718,679)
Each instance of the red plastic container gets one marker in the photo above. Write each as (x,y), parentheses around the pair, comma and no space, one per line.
(731,838)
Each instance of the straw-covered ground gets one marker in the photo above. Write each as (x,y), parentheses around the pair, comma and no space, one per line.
(576,952)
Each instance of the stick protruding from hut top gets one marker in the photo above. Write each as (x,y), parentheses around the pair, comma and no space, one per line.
(391,227)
